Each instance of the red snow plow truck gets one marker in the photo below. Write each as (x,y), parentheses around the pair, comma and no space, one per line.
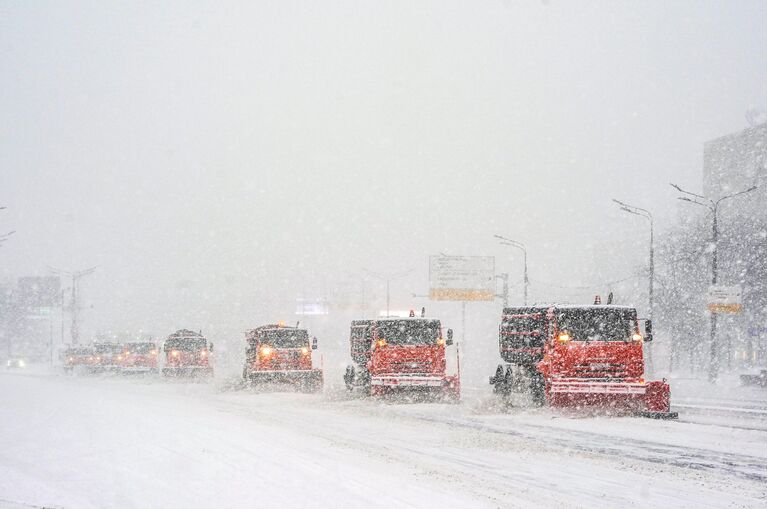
(401,355)
(280,354)
(574,356)
(187,353)
(139,357)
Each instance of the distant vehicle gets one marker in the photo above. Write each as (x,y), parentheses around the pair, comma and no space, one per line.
(567,356)
(187,354)
(139,357)
(107,357)
(15,363)
(752,379)
(77,357)
(280,354)
(396,355)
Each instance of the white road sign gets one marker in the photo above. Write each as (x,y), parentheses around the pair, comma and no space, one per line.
(725,299)
(462,278)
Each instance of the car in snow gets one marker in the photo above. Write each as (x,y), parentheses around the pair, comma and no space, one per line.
(15,363)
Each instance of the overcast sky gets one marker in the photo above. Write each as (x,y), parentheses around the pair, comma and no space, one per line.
(218,160)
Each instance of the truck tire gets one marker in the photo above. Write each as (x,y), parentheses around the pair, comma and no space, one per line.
(538,389)
(349,376)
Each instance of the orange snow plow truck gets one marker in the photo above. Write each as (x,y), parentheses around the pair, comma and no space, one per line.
(573,356)
(187,353)
(401,354)
(280,354)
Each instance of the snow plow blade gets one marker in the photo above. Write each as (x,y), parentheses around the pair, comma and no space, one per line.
(187,371)
(646,399)
(306,380)
(448,386)
(659,415)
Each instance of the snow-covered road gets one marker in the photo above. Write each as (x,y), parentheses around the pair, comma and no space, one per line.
(78,442)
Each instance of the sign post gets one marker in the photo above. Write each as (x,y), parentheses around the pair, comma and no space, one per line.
(463,279)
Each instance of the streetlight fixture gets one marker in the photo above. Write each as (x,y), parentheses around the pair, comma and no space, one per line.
(713,206)
(520,246)
(631,209)
(388,278)
(5,236)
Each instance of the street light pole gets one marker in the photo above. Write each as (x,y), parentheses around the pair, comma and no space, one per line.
(74,330)
(631,209)
(713,206)
(520,246)
(388,278)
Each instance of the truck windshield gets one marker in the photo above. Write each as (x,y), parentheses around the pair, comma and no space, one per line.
(409,332)
(286,338)
(186,345)
(597,324)
(140,348)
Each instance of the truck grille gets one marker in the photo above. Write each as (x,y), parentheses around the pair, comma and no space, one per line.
(599,369)
(411,366)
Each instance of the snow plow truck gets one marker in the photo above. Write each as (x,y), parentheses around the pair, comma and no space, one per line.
(187,354)
(578,356)
(398,355)
(139,357)
(280,354)
(77,357)
(106,357)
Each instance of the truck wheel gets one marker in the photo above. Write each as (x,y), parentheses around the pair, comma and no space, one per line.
(349,376)
(538,390)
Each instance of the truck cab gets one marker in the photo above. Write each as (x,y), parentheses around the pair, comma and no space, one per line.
(277,353)
(77,357)
(139,357)
(401,354)
(106,357)
(187,353)
(578,355)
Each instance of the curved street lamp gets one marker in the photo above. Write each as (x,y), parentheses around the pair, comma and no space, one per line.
(713,206)
(518,245)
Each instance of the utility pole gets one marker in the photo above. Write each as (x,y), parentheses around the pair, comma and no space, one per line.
(74,330)
(713,206)
(520,246)
(631,209)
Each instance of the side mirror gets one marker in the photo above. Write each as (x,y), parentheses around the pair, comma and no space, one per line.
(449,337)
(314,343)
(210,347)
(648,330)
